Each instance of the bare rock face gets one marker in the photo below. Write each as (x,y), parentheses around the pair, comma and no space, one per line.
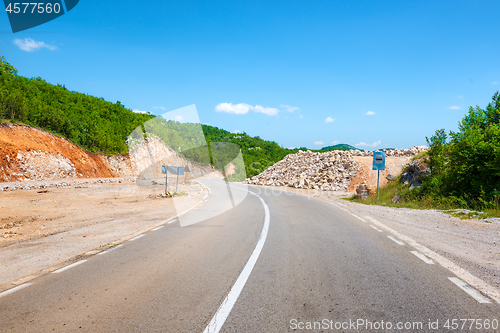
(39,165)
(329,171)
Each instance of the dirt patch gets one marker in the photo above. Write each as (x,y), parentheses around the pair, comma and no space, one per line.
(393,166)
(40,230)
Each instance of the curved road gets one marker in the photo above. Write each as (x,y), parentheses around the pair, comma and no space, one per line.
(315,268)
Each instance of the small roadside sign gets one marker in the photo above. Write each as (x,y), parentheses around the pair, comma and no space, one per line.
(378,161)
(379,165)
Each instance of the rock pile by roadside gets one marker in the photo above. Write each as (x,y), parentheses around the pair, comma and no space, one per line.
(329,171)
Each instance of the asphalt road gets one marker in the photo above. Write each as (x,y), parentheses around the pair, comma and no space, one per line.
(286,261)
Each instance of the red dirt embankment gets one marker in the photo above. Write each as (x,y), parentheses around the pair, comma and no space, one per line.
(28,153)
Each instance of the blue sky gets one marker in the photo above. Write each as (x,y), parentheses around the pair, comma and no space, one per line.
(372,74)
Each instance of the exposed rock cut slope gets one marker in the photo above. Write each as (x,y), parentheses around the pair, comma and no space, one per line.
(28,153)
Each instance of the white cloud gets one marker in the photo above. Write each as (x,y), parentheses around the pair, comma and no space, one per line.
(30,45)
(301,116)
(243,108)
(236,131)
(335,142)
(318,143)
(460,96)
(373,145)
(494,82)
(178,118)
(370,113)
(138,111)
(159,107)
(265,110)
(329,120)
(454,107)
(289,108)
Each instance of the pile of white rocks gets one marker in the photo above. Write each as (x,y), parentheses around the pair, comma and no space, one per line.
(392,152)
(330,171)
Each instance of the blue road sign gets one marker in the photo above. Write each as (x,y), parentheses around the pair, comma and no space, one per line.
(172,170)
(378,160)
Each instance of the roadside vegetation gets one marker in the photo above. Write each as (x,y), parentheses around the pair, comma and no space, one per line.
(463,176)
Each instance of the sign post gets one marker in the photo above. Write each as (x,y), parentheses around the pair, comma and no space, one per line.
(174,170)
(165,171)
(378,164)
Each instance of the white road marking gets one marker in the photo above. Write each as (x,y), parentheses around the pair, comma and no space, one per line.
(463,274)
(137,237)
(227,305)
(171,222)
(110,249)
(359,218)
(469,290)
(423,258)
(157,228)
(397,241)
(374,227)
(10,291)
(69,266)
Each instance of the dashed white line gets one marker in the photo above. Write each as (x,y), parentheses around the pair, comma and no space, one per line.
(137,237)
(463,274)
(69,266)
(374,227)
(397,241)
(157,228)
(110,249)
(10,291)
(423,258)
(227,305)
(171,222)
(469,290)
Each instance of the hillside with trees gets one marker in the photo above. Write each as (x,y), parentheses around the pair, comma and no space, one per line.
(90,122)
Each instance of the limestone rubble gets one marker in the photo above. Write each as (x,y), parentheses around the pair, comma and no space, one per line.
(330,171)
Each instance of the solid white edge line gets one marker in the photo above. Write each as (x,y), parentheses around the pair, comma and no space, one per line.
(10,291)
(397,241)
(423,258)
(157,228)
(359,218)
(463,274)
(222,313)
(469,290)
(136,237)
(69,266)
(374,227)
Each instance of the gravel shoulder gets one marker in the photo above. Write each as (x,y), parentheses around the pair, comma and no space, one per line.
(471,244)
(53,224)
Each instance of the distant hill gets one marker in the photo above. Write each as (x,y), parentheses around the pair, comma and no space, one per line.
(342,146)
